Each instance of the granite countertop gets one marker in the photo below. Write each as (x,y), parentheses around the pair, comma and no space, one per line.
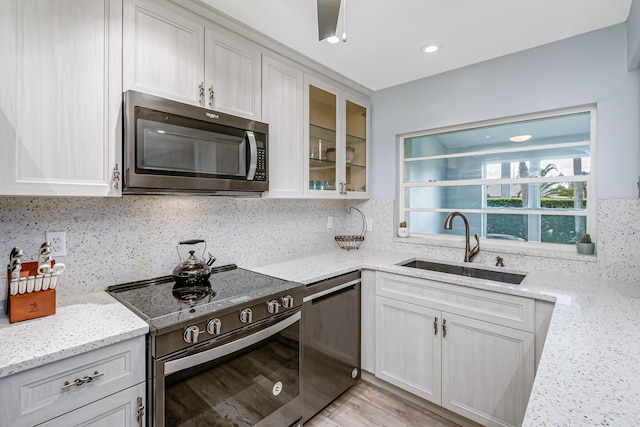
(589,372)
(82,323)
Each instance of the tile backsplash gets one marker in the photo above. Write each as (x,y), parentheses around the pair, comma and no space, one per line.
(617,244)
(115,240)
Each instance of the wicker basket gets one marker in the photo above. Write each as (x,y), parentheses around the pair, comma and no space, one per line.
(349,242)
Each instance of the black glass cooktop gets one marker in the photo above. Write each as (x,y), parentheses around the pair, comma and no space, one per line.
(157,302)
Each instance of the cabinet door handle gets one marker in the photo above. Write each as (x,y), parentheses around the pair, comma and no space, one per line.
(444,328)
(343,188)
(211,96)
(79,381)
(201,93)
(140,412)
(116,176)
(435,326)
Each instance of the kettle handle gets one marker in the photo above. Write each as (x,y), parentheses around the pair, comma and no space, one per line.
(191,242)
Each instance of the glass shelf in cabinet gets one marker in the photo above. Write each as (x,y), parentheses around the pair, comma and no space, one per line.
(322,132)
(356,166)
(351,139)
(321,163)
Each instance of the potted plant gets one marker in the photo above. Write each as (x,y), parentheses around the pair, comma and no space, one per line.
(585,246)
(403,231)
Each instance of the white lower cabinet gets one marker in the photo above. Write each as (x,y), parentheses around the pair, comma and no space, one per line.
(97,388)
(478,369)
(408,352)
(487,370)
(123,409)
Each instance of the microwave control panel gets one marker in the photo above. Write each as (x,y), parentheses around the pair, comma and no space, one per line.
(261,165)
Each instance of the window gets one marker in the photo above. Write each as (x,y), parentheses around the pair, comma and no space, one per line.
(526,179)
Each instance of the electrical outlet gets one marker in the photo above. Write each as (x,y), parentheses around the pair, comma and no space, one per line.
(369,224)
(58,240)
(329,222)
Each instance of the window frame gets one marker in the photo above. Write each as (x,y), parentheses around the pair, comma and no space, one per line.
(522,247)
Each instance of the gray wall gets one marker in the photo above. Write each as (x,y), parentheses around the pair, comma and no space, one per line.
(633,36)
(587,69)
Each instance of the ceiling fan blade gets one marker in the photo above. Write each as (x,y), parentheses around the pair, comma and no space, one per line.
(328,11)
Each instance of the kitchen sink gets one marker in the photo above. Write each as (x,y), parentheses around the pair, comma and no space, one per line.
(496,276)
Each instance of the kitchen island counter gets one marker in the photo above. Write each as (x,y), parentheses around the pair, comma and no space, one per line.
(82,323)
(589,372)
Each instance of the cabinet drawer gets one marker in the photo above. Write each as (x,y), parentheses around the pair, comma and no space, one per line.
(502,309)
(39,394)
(122,409)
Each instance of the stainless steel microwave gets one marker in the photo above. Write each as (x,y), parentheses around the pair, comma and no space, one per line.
(174,148)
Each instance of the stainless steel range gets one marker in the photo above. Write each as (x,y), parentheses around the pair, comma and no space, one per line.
(226,353)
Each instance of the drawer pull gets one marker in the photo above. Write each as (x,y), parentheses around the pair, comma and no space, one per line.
(79,381)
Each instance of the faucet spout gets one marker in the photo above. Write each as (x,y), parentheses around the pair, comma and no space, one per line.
(468,252)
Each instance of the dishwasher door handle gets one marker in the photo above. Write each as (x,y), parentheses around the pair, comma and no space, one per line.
(335,289)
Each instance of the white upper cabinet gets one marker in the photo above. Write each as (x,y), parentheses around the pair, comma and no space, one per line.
(283,111)
(175,54)
(232,75)
(60,95)
(336,132)
(163,52)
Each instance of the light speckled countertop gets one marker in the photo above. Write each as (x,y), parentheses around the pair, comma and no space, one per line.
(589,373)
(82,323)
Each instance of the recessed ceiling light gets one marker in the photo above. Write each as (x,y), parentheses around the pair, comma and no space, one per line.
(333,39)
(520,138)
(430,48)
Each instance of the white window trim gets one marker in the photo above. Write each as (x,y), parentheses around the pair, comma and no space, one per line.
(496,245)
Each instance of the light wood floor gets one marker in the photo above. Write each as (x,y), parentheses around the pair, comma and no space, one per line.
(365,405)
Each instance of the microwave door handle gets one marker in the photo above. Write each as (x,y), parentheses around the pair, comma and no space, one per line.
(253,147)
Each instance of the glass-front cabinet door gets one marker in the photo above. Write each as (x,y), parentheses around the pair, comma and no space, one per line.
(323,132)
(337,132)
(355,148)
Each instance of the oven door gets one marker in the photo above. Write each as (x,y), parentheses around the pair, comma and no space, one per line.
(250,380)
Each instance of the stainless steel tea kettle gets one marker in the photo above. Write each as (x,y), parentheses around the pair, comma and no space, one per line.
(192,271)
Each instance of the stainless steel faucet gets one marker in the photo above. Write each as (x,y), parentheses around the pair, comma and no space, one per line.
(468,252)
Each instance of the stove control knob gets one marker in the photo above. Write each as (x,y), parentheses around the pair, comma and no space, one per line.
(214,326)
(273,306)
(287,301)
(191,334)
(246,315)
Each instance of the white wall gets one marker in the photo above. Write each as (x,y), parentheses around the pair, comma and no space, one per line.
(586,69)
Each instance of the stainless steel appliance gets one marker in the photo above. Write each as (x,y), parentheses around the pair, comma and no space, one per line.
(331,351)
(223,354)
(170,148)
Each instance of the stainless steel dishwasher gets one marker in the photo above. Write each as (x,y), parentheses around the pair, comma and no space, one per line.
(331,340)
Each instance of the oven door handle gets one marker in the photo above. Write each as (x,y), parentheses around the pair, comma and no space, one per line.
(229,348)
(253,148)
